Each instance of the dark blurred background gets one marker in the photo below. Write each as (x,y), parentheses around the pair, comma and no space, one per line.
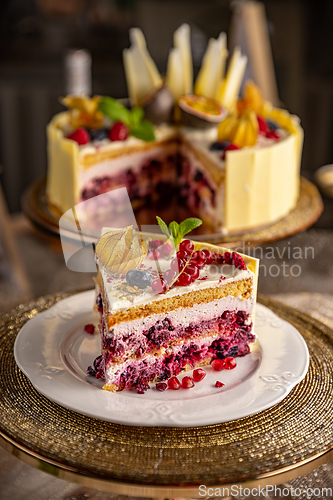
(35,34)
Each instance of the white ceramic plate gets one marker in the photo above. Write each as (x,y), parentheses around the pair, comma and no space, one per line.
(53,350)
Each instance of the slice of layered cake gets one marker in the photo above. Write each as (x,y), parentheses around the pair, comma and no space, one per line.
(164,311)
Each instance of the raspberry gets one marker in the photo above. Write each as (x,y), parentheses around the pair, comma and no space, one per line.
(238,261)
(219,384)
(119,132)
(262,125)
(272,134)
(80,136)
(228,258)
(173,383)
(187,383)
(230,363)
(89,329)
(199,374)
(217,365)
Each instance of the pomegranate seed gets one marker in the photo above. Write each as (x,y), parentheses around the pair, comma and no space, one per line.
(209,256)
(262,125)
(159,286)
(89,329)
(119,132)
(187,383)
(193,271)
(182,255)
(199,374)
(169,275)
(80,136)
(161,386)
(184,279)
(230,363)
(219,384)
(187,246)
(217,364)
(231,147)
(173,383)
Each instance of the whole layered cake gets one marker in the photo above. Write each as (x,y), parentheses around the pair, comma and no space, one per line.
(169,305)
(234,162)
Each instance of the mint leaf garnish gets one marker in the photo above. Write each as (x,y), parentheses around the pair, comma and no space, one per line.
(114,110)
(143,130)
(176,231)
(133,119)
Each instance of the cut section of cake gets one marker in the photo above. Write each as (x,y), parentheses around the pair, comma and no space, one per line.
(169,315)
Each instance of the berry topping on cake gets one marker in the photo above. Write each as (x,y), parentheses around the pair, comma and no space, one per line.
(141,279)
(186,246)
(262,125)
(159,286)
(80,136)
(118,132)
(98,134)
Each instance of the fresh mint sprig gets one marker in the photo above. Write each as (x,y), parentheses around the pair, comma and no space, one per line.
(133,119)
(176,232)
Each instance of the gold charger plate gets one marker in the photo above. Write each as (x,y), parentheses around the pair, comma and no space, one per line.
(270,447)
(308,210)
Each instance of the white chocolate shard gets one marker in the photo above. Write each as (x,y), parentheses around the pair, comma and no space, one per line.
(209,80)
(182,41)
(174,75)
(231,86)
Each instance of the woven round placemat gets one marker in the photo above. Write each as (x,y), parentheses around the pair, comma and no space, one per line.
(306,213)
(281,438)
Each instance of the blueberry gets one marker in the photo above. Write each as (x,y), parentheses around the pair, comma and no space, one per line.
(219,146)
(272,125)
(138,278)
(98,134)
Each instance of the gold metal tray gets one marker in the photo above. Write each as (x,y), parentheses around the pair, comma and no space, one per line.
(308,210)
(270,447)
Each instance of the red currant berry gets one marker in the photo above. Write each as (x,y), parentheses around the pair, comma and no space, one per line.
(173,383)
(119,132)
(199,374)
(159,286)
(198,259)
(80,136)
(209,256)
(231,147)
(182,255)
(161,386)
(174,265)
(169,276)
(262,125)
(184,279)
(89,329)
(187,383)
(217,365)
(187,246)
(193,271)
(230,363)
(219,384)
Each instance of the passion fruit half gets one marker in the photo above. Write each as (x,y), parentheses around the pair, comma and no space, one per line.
(200,112)
(158,105)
